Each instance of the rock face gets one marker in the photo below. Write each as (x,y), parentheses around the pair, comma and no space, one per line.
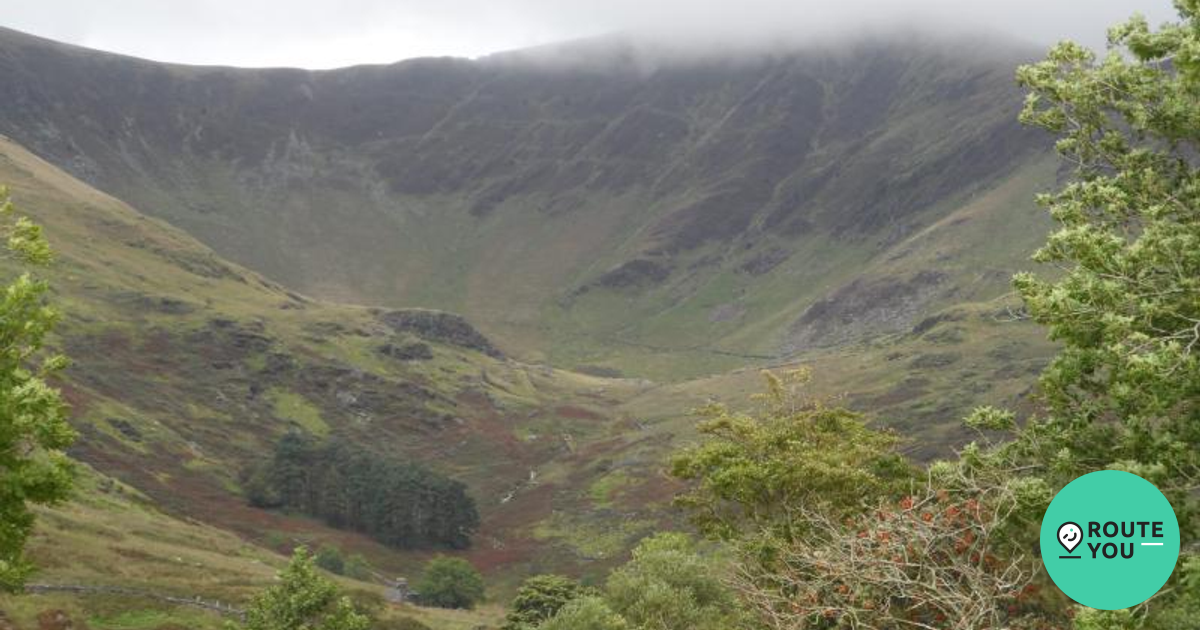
(863,308)
(633,274)
(437,326)
(504,188)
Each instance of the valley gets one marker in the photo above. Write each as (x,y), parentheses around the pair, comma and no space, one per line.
(521,274)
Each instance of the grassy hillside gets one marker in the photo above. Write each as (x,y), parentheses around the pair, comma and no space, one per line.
(111,536)
(187,368)
(598,205)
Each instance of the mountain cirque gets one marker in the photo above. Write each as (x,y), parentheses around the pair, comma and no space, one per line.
(556,253)
(590,204)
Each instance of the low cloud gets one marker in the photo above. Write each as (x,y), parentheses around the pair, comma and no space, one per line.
(326,34)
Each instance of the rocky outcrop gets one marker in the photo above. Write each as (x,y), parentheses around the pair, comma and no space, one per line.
(864,308)
(441,327)
(638,273)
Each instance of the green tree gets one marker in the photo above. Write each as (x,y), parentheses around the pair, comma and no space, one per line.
(357,567)
(755,469)
(667,585)
(1124,392)
(821,511)
(258,488)
(450,583)
(33,425)
(330,559)
(291,470)
(1125,389)
(586,613)
(371,604)
(538,599)
(952,556)
(303,600)
(397,503)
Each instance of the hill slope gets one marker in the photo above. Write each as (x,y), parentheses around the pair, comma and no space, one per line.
(109,560)
(594,204)
(187,368)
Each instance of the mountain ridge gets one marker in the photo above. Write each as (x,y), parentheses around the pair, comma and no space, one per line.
(553,209)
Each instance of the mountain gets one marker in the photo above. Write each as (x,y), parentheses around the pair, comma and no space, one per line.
(188,368)
(600,205)
(557,253)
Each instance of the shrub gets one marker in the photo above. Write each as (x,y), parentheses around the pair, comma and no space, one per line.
(357,567)
(585,613)
(330,559)
(539,598)
(450,583)
(302,599)
(669,586)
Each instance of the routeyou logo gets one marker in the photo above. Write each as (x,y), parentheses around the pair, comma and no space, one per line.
(1110,540)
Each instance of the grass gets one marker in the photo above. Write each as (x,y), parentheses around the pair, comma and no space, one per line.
(592,541)
(604,489)
(142,619)
(111,535)
(886,379)
(294,407)
(107,613)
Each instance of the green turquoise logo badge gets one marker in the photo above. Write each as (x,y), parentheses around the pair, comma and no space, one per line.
(1110,540)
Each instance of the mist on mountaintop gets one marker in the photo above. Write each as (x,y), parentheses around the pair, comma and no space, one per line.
(313,34)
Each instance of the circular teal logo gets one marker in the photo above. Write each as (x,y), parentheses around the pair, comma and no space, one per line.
(1110,540)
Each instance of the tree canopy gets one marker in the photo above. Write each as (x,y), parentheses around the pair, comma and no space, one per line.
(538,599)
(398,503)
(669,585)
(1124,391)
(755,469)
(303,600)
(450,583)
(33,424)
(586,613)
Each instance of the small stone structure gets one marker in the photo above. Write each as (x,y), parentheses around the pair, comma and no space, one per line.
(397,591)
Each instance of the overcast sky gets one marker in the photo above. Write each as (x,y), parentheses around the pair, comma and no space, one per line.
(324,34)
